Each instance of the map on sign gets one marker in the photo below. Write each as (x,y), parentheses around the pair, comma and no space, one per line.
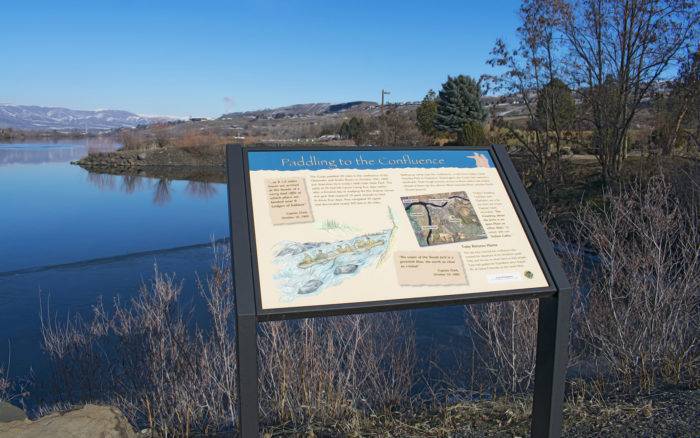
(443,218)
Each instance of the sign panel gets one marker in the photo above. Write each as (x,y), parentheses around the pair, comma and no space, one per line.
(358,226)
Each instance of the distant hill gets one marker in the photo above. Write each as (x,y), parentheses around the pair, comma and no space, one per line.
(39,118)
(304,110)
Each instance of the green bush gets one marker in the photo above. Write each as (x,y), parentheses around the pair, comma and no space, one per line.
(472,134)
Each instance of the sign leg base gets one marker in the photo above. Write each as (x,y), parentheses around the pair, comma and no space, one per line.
(551,361)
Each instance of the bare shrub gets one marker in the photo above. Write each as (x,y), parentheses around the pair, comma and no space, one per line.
(394,128)
(198,141)
(193,140)
(75,357)
(165,373)
(139,140)
(505,335)
(329,370)
(13,389)
(93,151)
(639,313)
(147,361)
(5,385)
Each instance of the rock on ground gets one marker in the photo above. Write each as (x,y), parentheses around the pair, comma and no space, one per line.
(10,412)
(89,421)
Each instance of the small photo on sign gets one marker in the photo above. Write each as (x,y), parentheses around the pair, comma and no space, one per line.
(443,218)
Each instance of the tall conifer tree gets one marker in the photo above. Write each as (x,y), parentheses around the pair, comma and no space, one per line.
(459,103)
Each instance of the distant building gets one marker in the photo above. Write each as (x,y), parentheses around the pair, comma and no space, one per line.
(198,119)
(329,137)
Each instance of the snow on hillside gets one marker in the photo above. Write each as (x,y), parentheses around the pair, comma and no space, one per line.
(41,118)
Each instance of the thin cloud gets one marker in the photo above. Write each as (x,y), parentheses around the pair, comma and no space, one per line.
(229,102)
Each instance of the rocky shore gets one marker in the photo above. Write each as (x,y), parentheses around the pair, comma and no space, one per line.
(155,157)
(170,163)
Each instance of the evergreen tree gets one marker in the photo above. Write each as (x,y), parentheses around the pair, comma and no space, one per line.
(458,103)
(354,129)
(351,128)
(555,107)
(426,113)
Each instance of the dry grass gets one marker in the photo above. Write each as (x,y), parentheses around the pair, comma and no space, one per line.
(505,335)
(335,370)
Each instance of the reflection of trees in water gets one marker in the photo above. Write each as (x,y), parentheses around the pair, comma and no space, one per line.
(161,194)
(131,183)
(200,189)
(102,181)
(162,188)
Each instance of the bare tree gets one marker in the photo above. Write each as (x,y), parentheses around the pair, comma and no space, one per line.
(396,128)
(529,69)
(618,50)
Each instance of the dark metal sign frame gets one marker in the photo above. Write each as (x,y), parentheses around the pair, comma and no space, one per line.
(554,300)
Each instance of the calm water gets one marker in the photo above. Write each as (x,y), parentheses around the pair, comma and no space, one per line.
(73,237)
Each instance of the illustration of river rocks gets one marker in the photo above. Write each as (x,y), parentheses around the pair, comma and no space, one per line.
(311,267)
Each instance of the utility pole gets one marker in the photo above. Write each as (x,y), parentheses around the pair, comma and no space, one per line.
(384,93)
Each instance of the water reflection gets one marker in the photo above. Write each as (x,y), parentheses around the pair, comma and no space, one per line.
(162,188)
(141,211)
(102,181)
(161,194)
(200,189)
(53,151)
(131,183)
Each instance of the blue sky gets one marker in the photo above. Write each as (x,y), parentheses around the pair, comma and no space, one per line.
(204,58)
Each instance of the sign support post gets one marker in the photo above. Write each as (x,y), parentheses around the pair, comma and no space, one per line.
(247,375)
(550,365)
(554,299)
(246,319)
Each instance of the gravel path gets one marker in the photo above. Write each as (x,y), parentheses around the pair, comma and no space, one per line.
(666,414)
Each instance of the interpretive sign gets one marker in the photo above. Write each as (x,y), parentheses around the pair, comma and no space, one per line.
(334,227)
(323,231)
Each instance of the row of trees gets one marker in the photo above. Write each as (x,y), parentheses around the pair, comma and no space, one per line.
(391,128)
(610,54)
(587,66)
(582,71)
